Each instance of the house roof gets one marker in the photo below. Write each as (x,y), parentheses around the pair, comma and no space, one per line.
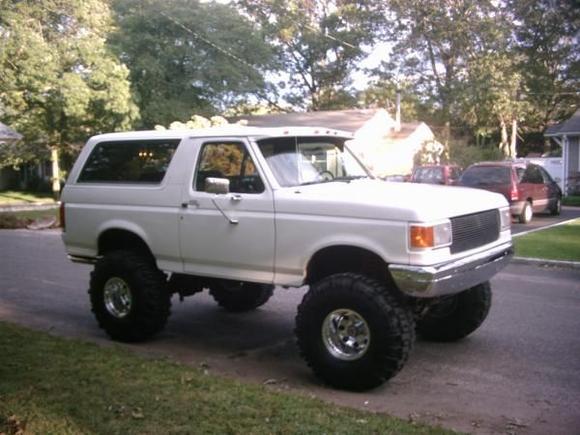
(346,120)
(569,127)
(6,133)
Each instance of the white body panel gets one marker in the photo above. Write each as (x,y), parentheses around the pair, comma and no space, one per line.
(279,230)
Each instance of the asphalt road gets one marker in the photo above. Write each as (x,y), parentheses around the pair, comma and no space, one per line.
(519,373)
(542,220)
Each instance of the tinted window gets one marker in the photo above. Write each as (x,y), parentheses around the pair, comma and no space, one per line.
(532,175)
(232,161)
(486,175)
(546,176)
(129,162)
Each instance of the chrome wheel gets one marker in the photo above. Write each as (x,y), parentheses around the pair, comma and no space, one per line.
(345,334)
(117,297)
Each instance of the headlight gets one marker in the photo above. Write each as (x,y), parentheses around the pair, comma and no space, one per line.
(425,236)
(505,219)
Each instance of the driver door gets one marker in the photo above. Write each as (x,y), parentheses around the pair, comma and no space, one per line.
(228,235)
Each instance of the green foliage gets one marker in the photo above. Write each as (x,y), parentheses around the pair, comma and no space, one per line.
(318,44)
(480,65)
(59,82)
(547,41)
(187,56)
(463,155)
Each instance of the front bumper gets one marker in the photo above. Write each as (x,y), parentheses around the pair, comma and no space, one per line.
(452,277)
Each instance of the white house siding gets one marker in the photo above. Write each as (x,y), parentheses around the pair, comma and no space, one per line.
(573,165)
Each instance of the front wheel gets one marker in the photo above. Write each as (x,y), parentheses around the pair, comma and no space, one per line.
(239,296)
(454,317)
(352,332)
(129,296)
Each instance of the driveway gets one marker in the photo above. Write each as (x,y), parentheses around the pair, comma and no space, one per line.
(519,373)
(545,220)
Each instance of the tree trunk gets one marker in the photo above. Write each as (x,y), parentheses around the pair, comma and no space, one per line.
(504,145)
(514,139)
(55,173)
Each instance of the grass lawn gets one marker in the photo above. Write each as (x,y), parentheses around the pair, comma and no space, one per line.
(20,219)
(60,386)
(556,243)
(11,197)
(571,200)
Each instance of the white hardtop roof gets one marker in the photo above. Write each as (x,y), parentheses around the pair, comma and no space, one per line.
(225,131)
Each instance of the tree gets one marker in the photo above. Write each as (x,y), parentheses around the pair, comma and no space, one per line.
(59,83)
(186,56)
(547,40)
(440,46)
(318,44)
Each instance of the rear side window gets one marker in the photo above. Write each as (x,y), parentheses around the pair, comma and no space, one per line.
(143,162)
(486,175)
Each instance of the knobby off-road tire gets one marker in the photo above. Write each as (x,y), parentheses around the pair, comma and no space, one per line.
(457,316)
(239,296)
(129,296)
(525,217)
(377,335)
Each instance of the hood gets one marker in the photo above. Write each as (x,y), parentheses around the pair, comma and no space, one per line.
(377,199)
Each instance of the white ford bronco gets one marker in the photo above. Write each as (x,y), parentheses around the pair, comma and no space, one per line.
(240,210)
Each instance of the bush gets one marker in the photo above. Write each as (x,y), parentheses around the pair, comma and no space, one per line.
(464,155)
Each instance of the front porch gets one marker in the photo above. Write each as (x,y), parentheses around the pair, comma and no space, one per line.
(567,136)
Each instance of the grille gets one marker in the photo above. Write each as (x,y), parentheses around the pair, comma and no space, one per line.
(474,230)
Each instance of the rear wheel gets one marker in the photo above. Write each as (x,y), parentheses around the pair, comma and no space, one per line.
(454,317)
(352,332)
(238,296)
(525,216)
(129,296)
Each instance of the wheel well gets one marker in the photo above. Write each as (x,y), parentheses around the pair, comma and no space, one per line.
(115,239)
(338,259)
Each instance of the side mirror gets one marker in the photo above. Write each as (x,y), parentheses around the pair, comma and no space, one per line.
(217,185)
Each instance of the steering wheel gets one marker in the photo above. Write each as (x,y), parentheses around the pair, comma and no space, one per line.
(326,175)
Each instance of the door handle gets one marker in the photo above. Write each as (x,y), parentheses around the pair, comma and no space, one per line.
(192,202)
(232,221)
(236,197)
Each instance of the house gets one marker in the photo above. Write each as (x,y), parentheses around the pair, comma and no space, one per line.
(385,144)
(7,138)
(567,136)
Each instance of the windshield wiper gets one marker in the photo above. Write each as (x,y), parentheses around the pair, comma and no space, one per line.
(344,178)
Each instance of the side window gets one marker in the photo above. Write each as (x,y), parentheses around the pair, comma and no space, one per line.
(532,175)
(138,161)
(546,176)
(229,160)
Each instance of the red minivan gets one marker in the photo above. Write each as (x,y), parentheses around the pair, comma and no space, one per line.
(528,188)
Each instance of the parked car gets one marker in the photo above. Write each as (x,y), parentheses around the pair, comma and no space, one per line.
(436,174)
(529,188)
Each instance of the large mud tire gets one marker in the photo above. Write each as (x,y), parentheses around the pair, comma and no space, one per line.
(457,316)
(239,296)
(382,331)
(129,296)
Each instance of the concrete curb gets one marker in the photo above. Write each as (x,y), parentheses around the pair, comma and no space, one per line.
(549,263)
(28,207)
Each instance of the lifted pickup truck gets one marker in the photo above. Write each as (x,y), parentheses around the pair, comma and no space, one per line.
(240,210)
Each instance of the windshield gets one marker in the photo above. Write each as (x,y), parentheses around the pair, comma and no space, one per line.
(298,161)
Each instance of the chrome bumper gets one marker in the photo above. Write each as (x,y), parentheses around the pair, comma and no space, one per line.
(453,277)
